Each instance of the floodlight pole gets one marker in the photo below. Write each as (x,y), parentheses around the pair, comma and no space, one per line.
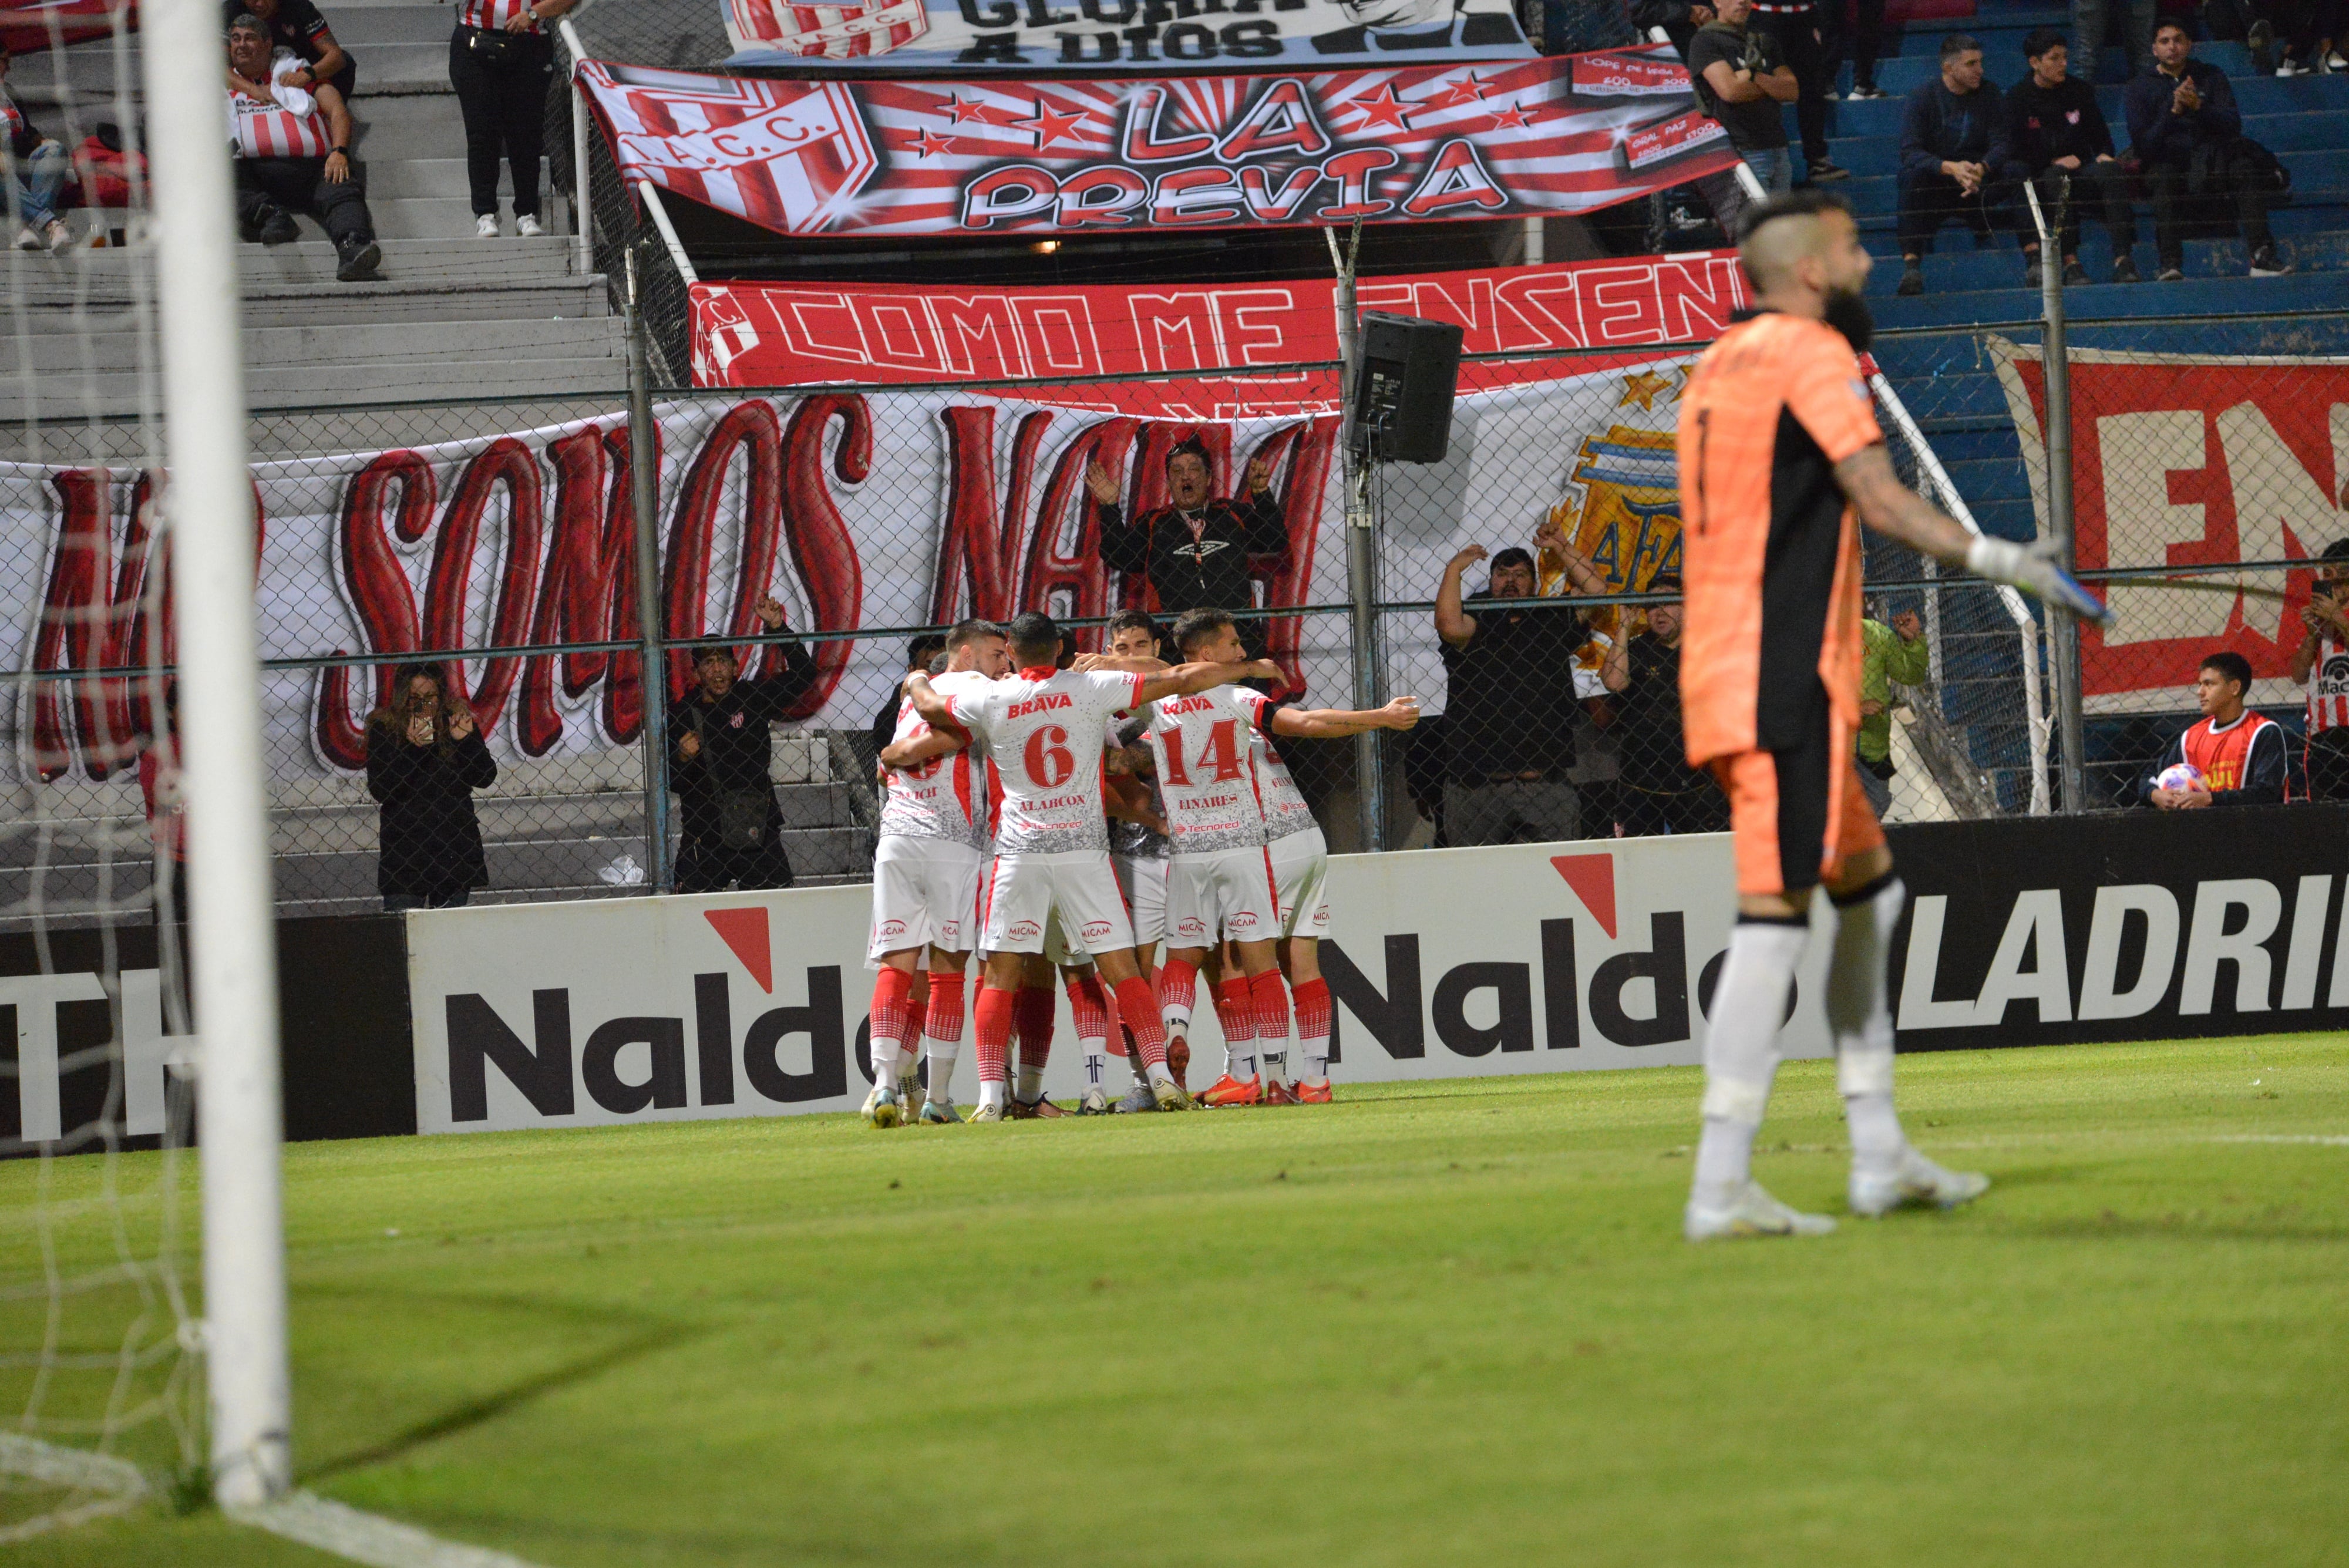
(2063,627)
(644,496)
(208,508)
(1361,552)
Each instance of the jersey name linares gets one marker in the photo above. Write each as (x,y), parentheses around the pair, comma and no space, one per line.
(1043,734)
(1206,770)
(945,797)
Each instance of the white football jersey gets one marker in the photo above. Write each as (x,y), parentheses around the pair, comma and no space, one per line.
(945,797)
(1206,770)
(1043,734)
(1285,811)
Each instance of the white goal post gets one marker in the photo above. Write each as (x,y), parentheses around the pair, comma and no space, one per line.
(208,505)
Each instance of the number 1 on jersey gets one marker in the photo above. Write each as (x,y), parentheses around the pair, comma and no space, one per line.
(1221,753)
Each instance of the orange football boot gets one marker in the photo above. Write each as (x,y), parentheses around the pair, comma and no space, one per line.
(1230,1091)
(1313,1093)
(1280,1092)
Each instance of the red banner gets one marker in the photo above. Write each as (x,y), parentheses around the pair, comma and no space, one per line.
(2186,461)
(25,25)
(782,334)
(1419,143)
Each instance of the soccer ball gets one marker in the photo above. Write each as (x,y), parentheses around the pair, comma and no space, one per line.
(2180,776)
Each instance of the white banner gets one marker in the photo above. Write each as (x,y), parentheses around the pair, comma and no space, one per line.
(898,36)
(1443,963)
(866,513)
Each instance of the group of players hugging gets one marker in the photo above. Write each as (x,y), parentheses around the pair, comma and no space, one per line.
(1074,817)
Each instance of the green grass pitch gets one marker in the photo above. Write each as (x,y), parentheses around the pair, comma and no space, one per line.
(1434,1323)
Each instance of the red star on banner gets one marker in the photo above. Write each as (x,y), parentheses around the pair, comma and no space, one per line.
(1382,107)
(1456,95)
(983,114)
(923,144)
(1512,117)
(1051,126)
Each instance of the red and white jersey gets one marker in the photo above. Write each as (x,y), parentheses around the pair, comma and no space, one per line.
(2328,687)
(12,119)
(1207,777)
(491,15)
(290,127)
(945,797)
(1285,811)
(1043,731)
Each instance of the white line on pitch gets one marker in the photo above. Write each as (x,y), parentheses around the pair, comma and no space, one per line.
(368,1538)
(120,1484)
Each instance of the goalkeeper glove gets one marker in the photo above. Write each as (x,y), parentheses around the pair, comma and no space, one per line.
(2034,568)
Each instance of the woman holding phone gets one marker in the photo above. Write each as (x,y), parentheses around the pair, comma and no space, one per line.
(425,759)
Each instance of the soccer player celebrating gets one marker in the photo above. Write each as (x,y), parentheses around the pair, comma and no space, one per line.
(1138,852)
(1221,790)
(1051,838)
(934,836)
(1778,449)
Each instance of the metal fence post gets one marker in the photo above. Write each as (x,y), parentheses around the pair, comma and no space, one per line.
(583,206)
(644,491)
(2062,630)
(1362,562)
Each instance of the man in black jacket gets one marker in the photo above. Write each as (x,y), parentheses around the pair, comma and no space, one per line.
(720,750)
(2187,136)
(1195,551)
(2058,137)
(1953,144)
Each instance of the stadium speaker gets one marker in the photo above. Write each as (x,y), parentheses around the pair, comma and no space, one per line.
(1403,388)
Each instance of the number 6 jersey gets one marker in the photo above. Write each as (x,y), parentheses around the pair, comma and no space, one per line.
(945,797)
(1043,731)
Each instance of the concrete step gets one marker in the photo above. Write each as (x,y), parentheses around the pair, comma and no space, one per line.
(2004,63)
(340,346)
(504,268)
(2314,176)
(2197,297)
(117,396)
(2313,130)
(445,177)
(1969,271)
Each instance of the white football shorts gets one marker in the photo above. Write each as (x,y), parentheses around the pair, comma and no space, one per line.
(1300,879)
(1222,895)
(1021,894)
(924,893)
(1143,879)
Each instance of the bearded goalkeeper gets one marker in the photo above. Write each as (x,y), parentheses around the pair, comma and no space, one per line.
(1780,459)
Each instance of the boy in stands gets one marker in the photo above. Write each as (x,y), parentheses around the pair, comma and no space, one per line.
(935,832)
(1226,808)
(2241,756)
(1779,456)
(1052,838)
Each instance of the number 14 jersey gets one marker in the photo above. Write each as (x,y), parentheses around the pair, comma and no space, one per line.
(1044,732)
(1208,776)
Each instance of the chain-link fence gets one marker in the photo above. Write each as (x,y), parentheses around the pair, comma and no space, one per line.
(1522,587)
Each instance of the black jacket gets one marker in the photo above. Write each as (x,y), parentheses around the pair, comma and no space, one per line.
(2062,121)
(736,747)
(1942,126)
(25,135)
(428,841)
(2157,136)
(1212,572)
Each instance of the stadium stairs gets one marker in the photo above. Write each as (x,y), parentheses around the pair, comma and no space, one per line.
(454,318)
(1949,386)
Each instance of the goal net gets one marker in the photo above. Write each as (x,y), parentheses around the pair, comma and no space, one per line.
(130,680)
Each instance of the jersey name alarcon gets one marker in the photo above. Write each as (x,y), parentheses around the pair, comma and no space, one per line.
(1044,734)
(1285,811)
(945,797)
(1206,770)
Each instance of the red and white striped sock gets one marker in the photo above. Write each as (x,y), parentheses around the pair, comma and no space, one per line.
(1313,1029)
(1089,1004)
(993,1020)
(892,1016)
(1178,993)
(944,1027)
(1137,1009)
(1271,998)
(1235,1011)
